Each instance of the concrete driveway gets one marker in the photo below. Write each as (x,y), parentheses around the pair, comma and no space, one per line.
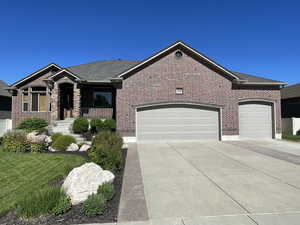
(220,183)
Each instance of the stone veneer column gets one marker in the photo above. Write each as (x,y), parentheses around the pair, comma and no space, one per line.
(54,103)
(76,111)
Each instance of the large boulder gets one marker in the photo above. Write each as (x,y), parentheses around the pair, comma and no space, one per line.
(35,137)
(72,148)
(84,181)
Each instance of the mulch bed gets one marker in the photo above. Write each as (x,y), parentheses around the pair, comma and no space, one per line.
(75,215)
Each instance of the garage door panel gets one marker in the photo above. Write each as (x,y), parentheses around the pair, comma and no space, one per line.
(177,123)
(255,121)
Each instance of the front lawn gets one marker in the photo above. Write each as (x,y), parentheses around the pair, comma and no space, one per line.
(291,137)
(22,174)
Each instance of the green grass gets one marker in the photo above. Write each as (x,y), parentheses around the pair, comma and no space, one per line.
(22,174)
(291,137)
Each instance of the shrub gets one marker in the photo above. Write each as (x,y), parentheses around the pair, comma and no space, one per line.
(15,141)
(1,140)
(40,202)
(63,142)
(55,136)
(107,190)
(105,125)
(81,125)
(33,124)
(94,124)
(62,206)
(94,205)
(38,147)
(106,151)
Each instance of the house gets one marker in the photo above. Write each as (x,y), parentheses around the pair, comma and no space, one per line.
(290,107)
(176,94)
(290,101)
(5,101)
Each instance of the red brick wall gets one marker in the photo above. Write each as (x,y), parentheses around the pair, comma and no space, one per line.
(158,81)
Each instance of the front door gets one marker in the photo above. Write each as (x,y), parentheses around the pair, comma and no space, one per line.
(66,102)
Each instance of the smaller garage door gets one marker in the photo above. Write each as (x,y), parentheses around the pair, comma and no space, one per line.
(177,123)
(255,120)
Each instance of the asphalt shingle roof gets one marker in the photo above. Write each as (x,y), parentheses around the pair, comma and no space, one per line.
(102,70)
(4,92)
(106,69)
(292,91)
(253,78)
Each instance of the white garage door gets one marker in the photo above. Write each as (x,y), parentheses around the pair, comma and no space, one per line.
(177,123)
(255,121)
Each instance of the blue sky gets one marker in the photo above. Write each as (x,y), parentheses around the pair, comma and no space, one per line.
(256,37)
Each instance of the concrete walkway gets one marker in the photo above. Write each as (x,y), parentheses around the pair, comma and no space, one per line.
(217,183)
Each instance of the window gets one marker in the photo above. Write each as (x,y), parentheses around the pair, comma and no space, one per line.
(38,99)
(25,100)
(102,99)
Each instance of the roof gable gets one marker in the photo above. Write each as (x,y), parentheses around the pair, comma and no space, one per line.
(32,76)
(181,45)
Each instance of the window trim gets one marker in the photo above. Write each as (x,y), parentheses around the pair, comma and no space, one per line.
(29,91)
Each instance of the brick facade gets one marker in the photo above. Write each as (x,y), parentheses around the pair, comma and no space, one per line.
(158,82)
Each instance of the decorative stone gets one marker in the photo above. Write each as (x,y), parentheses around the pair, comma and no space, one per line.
(52,149)
(35,137)
(84,181)
(48,140)
(84,148)
(72,148)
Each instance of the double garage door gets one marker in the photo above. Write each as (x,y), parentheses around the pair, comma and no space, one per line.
(195,123)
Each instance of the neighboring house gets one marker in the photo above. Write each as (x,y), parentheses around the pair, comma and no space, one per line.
(290,101)
(5,101)
(290,108)
(177,94)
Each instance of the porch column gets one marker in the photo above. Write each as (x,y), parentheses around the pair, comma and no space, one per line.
(77,101)
(54,102)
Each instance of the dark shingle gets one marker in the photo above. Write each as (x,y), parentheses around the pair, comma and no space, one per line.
(3,91)
(102,70)
(252,78)
(292,91)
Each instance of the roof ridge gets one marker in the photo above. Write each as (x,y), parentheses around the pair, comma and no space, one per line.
(104,60)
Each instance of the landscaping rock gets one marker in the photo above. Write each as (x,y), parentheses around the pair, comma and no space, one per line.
(35,137)
(84,148)
(48,140)
(72,148)
(84,181)
(52,149)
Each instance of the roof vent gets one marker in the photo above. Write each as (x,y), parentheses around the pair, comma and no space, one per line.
(178,54)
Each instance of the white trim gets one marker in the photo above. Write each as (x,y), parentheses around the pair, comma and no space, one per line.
(35,73)
(278,136)
(189,48)
(262,83)
(64,70)
(230,137)
(129,140)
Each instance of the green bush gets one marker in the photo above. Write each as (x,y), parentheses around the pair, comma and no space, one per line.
(55,136)
(62,206)
(94,124)
(105,125)
(107,190)
(94,205)
(80,125)
(106,151)
(15,141)
(40,202)
(33,124)
(38,147)
(63,142)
